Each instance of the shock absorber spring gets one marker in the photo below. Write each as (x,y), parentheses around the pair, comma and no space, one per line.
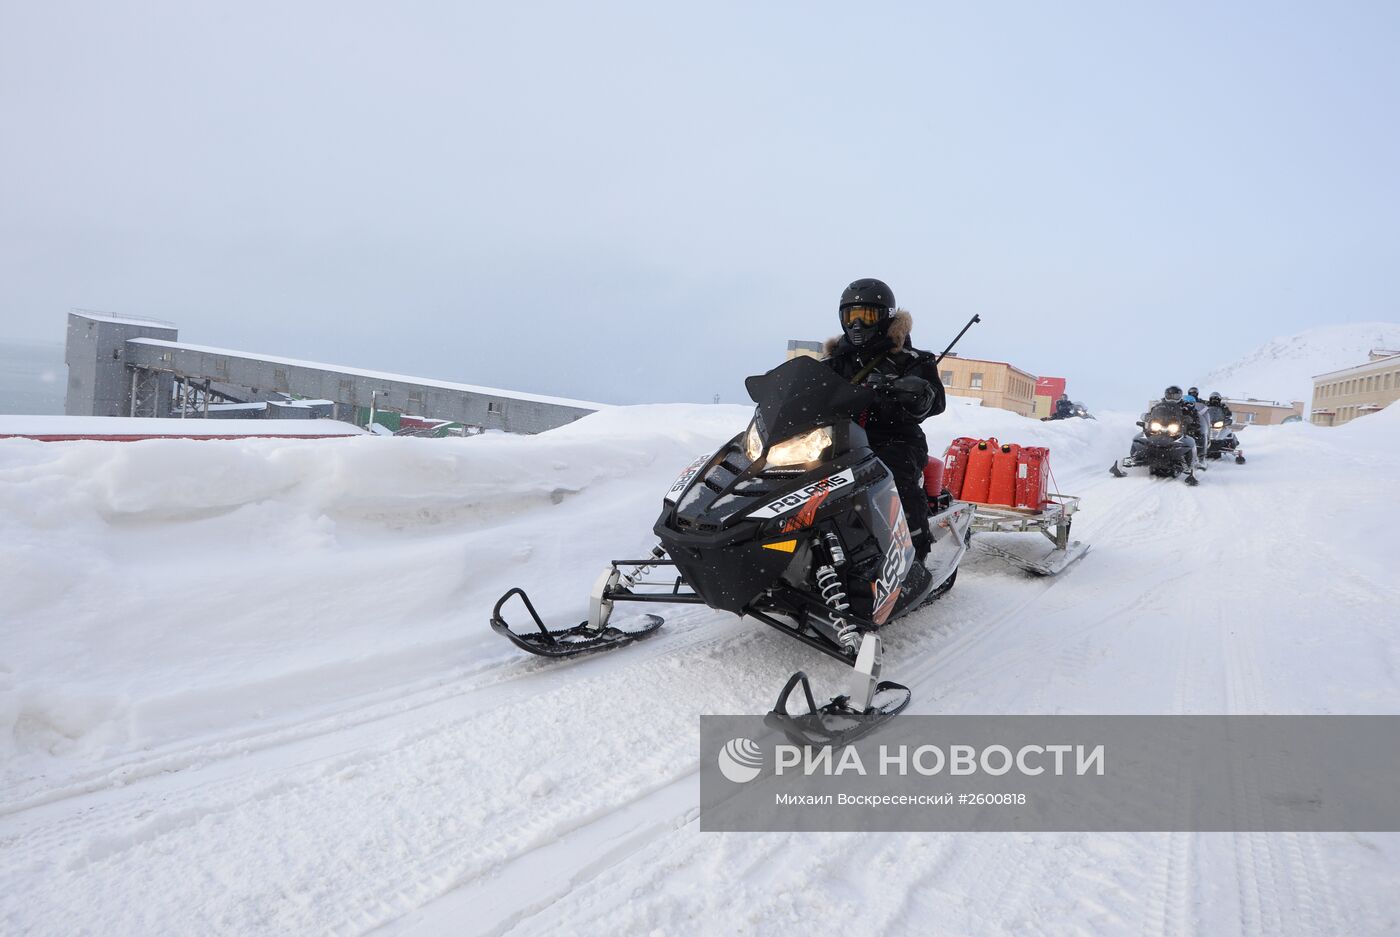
(834,595)
(630,579)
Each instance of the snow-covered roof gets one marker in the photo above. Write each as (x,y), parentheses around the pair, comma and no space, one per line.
(1379,364)
(124,320)
(126,428)
(376,375)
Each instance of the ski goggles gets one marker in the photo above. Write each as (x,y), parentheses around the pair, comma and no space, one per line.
(861,315)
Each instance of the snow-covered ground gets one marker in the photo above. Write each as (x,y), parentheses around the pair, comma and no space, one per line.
(1283,369)
(248,687)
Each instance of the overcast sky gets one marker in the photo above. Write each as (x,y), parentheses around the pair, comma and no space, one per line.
(634,203)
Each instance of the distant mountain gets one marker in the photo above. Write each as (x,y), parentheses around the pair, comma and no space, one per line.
(1282,369)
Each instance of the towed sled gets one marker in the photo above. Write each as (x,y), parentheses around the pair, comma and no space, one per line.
(1052,521)
(1008,486)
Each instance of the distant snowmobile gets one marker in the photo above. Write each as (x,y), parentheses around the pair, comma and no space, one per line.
(1222,437)
(796,524)
(1166,446)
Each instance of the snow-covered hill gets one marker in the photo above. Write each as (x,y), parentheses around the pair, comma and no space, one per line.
(1282,369)
(248,687)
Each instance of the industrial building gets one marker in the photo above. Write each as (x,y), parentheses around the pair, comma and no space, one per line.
(137,367)
(1341,396)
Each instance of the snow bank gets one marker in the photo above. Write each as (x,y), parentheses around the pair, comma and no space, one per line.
(248,687)
(169,589)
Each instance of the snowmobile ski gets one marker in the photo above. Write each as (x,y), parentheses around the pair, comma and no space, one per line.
(838,723)
(582,638)
(870,703)
(594,633)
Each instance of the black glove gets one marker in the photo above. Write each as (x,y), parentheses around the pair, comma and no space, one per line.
(913,393)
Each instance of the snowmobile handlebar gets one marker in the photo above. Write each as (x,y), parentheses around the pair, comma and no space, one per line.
(970,323)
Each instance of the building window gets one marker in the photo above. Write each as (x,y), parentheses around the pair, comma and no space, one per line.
(976,383)
(948,378)
(493,406)
(1249,417)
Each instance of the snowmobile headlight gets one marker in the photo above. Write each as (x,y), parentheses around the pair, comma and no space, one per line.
(1173,428)
(797,450)
(1218,424)
(753,443)
(1157,427)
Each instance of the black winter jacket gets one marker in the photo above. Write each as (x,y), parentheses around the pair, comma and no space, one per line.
(889,421)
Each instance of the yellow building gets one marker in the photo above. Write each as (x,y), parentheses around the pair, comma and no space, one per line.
(1252,412)
(1342,396)
(996,383)
(797,347)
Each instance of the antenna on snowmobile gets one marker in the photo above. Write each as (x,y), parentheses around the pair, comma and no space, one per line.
(970,322)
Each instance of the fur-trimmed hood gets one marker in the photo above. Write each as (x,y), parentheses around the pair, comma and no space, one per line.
(901,324)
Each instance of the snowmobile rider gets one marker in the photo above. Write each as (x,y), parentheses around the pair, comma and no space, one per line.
(875,349)
(1064,408)
(1219,403)
(1190,420)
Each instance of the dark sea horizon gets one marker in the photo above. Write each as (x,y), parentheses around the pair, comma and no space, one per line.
(33,377)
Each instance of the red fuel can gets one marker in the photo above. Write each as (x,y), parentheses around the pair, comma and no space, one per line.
(933,476)
(978,481)
(1002,489)
(1033,478)
(955,464)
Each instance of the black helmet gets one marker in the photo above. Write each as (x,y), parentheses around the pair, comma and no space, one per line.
(1172,393)
(868,292)
(1215,398)
(865,310)
(1194,392)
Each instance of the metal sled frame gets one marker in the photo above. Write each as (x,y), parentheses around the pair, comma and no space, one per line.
(1054,522)
(594,633)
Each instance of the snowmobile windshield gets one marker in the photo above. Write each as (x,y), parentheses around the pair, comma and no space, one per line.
(1165,418)
(801,395)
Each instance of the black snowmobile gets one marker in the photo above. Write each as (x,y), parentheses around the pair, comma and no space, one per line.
(793,523)
(1166,445)
(1222,437)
